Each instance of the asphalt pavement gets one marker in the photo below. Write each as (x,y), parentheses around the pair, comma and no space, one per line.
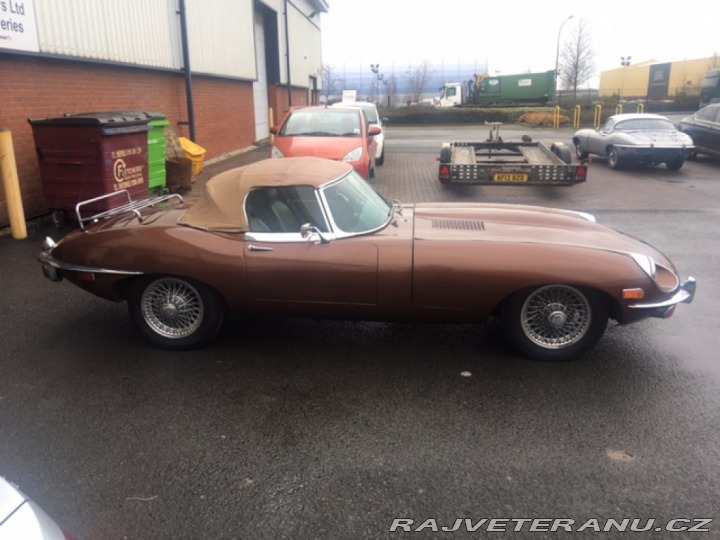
(305,429)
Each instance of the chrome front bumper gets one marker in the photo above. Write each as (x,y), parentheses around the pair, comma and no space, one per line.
(684,295)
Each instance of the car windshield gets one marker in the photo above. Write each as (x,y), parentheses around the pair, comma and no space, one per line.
(355,206)
(643,124)
(367,108)
(322,123)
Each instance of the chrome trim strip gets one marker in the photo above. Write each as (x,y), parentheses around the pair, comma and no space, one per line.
(48,259)
(684,295)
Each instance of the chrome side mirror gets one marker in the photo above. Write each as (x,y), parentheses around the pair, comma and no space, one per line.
(311,233)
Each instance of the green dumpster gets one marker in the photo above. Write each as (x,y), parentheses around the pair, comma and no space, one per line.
(157,177)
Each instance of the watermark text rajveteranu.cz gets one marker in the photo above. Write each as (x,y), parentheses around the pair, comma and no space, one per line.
(552,525)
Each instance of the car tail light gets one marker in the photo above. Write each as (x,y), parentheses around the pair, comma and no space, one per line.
(85,276)
(581,174)
(444,173)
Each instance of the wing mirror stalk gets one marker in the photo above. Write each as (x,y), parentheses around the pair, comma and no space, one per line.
(309,232)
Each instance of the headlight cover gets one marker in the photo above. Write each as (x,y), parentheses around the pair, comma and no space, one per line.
(664,278)
(354,155)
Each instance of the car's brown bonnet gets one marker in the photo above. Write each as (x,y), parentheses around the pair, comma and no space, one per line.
(220,208)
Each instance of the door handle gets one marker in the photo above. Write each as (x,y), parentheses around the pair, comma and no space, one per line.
(259,248)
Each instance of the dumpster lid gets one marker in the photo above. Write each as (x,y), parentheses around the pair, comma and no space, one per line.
(103,118)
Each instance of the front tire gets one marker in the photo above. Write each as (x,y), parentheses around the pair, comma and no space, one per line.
(175,313)
(579,152)
(554,323)
(675,164)
(614,158)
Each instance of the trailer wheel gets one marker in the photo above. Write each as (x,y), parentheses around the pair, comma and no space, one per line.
(562,151)
(445,153)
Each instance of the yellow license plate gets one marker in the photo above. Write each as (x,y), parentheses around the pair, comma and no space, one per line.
(510,178)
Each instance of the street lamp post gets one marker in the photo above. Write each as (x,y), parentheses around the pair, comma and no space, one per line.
(375,68)
(624,62)
(557,59)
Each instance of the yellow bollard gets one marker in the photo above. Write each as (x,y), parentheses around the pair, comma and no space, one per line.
(556,117)
(271,121)
(577,116)
(8,169)
(598,116)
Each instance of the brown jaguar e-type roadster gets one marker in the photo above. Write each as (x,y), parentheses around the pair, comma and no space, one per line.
(308,237)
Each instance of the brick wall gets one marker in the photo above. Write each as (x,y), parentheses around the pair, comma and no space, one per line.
(42,88)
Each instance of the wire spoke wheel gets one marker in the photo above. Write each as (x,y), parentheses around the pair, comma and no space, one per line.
(173,308)
(555,323)
(556,316)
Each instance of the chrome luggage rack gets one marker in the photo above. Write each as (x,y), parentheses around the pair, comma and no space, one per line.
(131,206)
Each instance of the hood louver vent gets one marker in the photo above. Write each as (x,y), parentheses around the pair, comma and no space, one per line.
(458,224)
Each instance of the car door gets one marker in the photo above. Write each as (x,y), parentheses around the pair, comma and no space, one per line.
(284,267)
(597,141)
(706,131)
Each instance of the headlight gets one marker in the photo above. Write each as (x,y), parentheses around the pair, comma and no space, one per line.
(646,263)
(355,155)
(665,278)
(275,152)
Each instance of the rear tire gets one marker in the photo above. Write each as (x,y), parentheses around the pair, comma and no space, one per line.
(554,323)
(175,313)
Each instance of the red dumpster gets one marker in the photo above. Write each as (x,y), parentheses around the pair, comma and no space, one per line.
(86,156)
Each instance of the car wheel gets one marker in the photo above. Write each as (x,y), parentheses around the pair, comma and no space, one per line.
(675,164)
(381,159)
(175,313)
(554,323)
(613,158)
(692,157)
(579,152)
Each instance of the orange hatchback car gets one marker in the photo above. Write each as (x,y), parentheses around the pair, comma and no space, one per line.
(338,134)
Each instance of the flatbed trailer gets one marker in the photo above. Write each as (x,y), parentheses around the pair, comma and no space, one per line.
(497,162)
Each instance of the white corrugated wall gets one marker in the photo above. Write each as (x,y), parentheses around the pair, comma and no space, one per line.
(147,33)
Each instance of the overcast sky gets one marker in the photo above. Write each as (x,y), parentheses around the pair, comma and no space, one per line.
(513,36)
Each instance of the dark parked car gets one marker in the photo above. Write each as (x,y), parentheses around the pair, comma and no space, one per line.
(639,139)
(309,237)
(704,128)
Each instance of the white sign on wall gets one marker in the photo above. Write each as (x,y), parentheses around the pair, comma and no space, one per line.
(18,29)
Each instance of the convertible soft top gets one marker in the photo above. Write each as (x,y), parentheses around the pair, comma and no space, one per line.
(220,208)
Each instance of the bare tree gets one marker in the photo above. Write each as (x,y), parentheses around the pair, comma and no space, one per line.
(418,77)
(577,59)
(332,85)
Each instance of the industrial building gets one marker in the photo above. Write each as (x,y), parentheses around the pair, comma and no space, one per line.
(219,70)
(654,80)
